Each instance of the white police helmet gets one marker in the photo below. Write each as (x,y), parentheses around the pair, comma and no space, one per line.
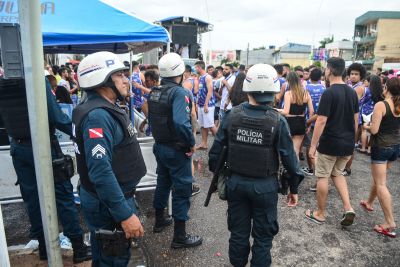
(263,82)
(95,69)
(171,65)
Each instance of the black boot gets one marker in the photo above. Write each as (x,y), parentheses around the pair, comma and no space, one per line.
(161,221)
(42,249)
(182,239)
(81,251)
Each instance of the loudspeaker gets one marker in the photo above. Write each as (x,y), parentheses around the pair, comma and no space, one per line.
(11,51)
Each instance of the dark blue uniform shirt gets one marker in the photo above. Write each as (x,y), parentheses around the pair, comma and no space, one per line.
(182,103)
(57,118)
(100,169)
(283,144)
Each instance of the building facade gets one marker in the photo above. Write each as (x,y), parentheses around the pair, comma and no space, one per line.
(264,56)
(377,38)
(342,49)
(293,54)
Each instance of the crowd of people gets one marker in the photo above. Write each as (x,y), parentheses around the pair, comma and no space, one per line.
(266,116)
(216,90)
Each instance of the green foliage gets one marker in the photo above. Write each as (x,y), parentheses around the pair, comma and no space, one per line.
(260,48)
(317,64)
(325,41)
(226,61)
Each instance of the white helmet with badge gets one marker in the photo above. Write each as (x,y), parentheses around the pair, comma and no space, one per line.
(95,69)
(263,82)
(171,65)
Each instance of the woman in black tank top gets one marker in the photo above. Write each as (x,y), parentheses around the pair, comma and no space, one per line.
(385,148)
(296,100)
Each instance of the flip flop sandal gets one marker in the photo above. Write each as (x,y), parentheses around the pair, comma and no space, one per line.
(348,218)
(361,151)
(363,204)
(313,219)
(385,231)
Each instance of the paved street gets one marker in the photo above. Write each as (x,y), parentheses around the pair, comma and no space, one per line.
(299,242)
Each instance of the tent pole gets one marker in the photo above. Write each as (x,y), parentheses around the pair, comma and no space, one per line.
(4,259)
(32,48)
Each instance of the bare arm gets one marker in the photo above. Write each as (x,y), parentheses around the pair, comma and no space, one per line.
(311,119)
(286,108)
(376,119)
(282,92)
(187,85)
(318,129)
(360,91)
(310,105)
(196,86)
(209,89)
(144,89)
(355,125)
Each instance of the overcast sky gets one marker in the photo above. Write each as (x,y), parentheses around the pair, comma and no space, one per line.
(263,22)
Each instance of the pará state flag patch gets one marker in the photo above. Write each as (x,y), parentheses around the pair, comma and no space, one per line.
(96,133)
(187,100)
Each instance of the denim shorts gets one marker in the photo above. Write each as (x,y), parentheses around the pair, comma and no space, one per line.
(381,155)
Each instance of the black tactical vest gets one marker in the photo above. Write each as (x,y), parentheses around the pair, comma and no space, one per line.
(14,108)
(251,149)
(160,114)
(127,160)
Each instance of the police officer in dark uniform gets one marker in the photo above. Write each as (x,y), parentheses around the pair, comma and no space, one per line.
(14,111)
(169,116)
(110,162)
(256,135)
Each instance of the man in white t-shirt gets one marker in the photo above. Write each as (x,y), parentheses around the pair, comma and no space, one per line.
(218,77)
(227,85)
(64,79)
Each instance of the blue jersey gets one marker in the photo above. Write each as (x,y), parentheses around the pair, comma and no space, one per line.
(201,99)
(192,90)
(282,104)
(137,99)
(281,81)
(316,91)
(368,103)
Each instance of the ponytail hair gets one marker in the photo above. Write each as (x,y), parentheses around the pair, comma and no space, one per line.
(393,86)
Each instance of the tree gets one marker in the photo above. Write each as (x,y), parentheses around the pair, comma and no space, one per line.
(260,48)
(325,41)
(317,64)
(226,61)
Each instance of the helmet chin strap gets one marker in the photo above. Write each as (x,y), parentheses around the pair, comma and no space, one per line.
(111,84)
(181,80)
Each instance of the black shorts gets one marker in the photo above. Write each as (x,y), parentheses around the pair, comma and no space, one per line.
(297,125)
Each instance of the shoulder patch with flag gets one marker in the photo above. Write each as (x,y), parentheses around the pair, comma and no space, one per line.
(96,133)
(187,100)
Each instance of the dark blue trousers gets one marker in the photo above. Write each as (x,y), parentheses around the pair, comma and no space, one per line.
(97,216)
(24,165)
(252,208)
(174,171)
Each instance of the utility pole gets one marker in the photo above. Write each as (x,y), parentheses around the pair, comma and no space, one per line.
(32,49)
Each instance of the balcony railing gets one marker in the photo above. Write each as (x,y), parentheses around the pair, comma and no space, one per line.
(367,39)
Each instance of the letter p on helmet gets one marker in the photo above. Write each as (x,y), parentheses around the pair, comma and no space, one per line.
(110,62)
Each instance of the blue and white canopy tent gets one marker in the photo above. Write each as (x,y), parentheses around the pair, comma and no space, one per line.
(83,27)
